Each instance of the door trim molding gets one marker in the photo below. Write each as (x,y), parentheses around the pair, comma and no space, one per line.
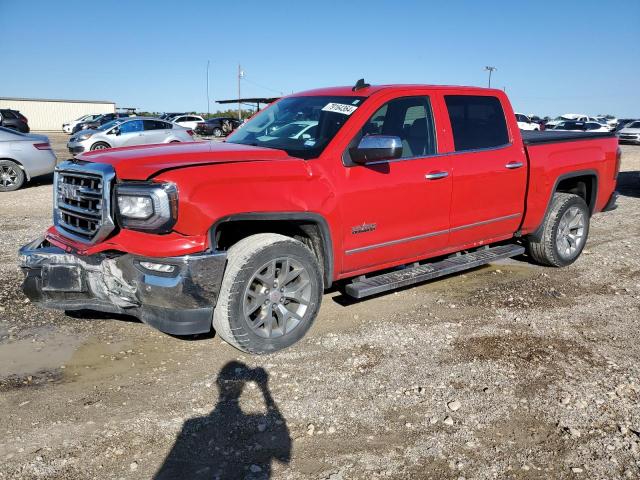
(430,234)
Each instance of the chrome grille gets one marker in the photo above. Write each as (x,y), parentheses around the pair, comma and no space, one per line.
(82,201)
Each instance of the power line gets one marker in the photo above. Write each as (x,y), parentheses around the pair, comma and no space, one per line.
(261,86)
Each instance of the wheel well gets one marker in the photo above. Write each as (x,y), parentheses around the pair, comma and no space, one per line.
(311,233)
(584,186)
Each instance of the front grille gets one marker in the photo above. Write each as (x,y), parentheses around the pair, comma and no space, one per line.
(82,201)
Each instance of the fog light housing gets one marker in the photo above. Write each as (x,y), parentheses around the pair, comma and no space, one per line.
(158,267)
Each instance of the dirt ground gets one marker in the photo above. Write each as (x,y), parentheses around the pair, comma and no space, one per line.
(507,371)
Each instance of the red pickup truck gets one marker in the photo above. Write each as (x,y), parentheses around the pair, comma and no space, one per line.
(374,187)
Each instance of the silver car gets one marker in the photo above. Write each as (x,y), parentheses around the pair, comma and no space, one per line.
(630,133)
(126,132)
(22,157)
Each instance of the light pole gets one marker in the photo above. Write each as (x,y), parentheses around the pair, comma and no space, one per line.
(240,75)
(208,102)
(490,70)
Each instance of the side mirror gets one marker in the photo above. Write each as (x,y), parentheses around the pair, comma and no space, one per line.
(116,131)
(373,148)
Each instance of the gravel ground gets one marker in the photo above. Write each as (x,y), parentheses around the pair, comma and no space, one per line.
(507,371)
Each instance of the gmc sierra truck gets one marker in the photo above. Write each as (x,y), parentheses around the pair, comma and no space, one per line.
(374,187)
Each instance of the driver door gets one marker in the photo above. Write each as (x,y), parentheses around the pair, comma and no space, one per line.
(131,133)
(396,210)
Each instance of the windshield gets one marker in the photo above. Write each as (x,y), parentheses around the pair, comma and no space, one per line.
(110,124)
(302,126)
(633,125)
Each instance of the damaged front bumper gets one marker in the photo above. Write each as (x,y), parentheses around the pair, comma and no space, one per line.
(179,302)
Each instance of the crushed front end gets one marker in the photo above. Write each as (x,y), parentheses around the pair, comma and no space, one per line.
(175,294)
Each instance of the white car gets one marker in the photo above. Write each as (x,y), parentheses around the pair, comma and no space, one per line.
(301,129)
(188,121)
(630,133)
(525,123)
(68,127)
(579,126)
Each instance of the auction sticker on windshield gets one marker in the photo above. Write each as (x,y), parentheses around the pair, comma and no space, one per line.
(339,108)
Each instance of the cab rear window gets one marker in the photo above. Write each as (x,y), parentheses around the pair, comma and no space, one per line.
(477,122)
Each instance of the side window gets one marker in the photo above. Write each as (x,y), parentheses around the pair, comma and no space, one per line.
(409,118)
(132,126)
(154,125)
(477,122)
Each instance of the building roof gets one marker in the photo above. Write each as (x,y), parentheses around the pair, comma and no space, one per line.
(55,100)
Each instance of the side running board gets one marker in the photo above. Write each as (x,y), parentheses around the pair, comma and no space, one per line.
(361,288)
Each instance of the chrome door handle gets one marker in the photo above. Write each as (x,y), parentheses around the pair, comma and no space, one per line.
(513,165)
(436,175)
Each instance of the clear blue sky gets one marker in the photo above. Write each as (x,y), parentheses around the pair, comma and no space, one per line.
(552,56)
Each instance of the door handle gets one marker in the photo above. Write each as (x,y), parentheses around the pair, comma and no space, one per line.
(436,175)
(514,165)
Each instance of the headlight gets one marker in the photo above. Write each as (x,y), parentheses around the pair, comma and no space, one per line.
(84,136)
(150,207)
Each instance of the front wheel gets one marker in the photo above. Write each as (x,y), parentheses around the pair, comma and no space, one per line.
(99,146)
(11,176)
(564,231)
(270,294)
(217,132)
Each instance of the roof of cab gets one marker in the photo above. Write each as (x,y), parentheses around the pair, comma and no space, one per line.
(370,90)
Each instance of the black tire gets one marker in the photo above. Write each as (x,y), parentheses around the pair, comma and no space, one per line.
(548,248)
(12,177)
(248,259)
(100,146)
(174,141)
(217,132)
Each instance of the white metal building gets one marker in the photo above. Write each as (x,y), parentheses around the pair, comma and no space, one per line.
(49,115)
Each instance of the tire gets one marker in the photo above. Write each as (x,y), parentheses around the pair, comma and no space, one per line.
(174,141)
(245,306)
(217,132)
(99,146)
(564,232)
(12,177)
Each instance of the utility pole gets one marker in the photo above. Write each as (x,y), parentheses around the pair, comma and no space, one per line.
(208,102)
(490,70)
(240,75)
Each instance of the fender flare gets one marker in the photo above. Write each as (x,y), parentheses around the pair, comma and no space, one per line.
(315,218)
(592,201)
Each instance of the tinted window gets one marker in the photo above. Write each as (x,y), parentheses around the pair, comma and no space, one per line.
(132,126)
(476,121)
(409,118)
(633,125)
(155,125)
(8,114)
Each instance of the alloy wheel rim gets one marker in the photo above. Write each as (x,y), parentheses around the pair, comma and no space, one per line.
(570,235)
(99,147)
(277,297)
(8,176)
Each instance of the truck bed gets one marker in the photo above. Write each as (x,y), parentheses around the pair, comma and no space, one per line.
(552,136)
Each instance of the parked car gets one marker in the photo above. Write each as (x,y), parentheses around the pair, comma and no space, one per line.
(125,132)
(187,121)
(525,123)
(97,122)
(243,236)
(68,127)
(22,157)
(567,117)
(14,120)
(217,126)
(169,115)
(581,126)
(624,122)
(630,133)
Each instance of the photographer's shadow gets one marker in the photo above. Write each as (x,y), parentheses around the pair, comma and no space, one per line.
(229,443)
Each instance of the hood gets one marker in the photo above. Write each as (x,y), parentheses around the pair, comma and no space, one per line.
(143,162)
(629,130)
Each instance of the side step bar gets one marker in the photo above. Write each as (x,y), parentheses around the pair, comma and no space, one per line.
(361,288)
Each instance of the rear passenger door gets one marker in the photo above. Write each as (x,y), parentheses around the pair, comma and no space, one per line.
(489,171)
(155,131)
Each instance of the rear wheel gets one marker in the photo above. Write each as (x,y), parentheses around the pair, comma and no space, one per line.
(270,294)
(217,132)
(100,146)
(11,176)
(564,231)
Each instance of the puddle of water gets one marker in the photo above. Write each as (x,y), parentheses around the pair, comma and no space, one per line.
(44,353)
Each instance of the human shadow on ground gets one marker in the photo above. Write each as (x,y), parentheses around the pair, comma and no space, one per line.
(229,443)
